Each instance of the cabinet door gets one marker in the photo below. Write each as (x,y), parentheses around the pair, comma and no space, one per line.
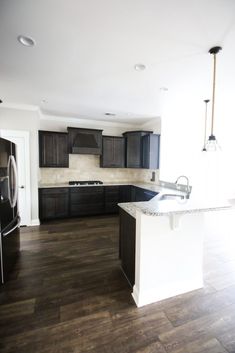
(150,151)
(107,158)
(53,149)
(143,195)
(53,203)
(47,149)
(86,200)
(62,151)
(133,150)
(119,152)
(125,193)
(113,155)
(111,199)
(127,245)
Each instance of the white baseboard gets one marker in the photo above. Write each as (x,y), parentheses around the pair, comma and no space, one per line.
(35,222)
(157,294)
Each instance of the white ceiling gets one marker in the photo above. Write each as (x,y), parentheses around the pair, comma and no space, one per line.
(83,61)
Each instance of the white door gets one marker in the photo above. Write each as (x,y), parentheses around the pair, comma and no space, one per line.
(21,139)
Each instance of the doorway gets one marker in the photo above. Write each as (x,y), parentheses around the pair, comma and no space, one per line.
(21,139)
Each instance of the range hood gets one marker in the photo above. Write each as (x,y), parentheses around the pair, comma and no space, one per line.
(85,141)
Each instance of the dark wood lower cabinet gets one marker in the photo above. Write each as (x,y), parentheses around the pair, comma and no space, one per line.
(111,198)
(125,193)
(53,203)
(88,200)
(139,194)
(127,245)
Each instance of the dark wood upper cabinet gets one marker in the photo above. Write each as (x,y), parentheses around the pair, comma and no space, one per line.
(53,149)
(113,155)
(85,141)
(134,148)
(150,151)
(142,149)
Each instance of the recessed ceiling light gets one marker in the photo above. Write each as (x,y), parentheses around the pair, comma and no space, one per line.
(140,67)
(110,114)
(44,101)
(26,41)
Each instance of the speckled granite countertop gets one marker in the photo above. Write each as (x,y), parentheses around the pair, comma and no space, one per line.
(147,186)
(156,207)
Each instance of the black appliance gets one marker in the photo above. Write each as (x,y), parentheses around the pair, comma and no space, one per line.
(86,182)
(9,217)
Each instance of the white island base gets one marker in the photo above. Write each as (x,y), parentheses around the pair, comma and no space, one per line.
(169,256)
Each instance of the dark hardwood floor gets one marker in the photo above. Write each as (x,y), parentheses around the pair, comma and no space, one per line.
(68,295)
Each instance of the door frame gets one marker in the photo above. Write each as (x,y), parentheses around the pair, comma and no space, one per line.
(7,134)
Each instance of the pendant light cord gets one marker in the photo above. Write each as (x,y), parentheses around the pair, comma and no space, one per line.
(213,96)
(206,102)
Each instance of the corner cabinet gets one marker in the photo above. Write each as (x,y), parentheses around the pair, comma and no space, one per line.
(53,149)
(111,198)
(142,149)
(150,151)
(113,155)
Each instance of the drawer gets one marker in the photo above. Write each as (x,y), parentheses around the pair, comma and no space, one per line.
(87,190)
(51,191)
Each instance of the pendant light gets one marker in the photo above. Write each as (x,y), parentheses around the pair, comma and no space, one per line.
(206,101)
(212,143)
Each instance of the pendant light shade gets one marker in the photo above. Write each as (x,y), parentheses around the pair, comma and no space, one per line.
(206,101)
(212,143)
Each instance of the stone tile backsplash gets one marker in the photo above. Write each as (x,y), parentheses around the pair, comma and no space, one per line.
(86,167)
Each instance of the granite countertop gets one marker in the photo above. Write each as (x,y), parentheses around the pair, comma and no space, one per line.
(147,186)
(156,207)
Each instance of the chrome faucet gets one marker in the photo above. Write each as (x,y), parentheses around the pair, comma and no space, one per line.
(188,187)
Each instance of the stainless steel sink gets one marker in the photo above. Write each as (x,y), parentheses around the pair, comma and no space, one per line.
(171,197)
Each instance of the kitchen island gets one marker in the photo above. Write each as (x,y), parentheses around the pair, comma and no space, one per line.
(164,238)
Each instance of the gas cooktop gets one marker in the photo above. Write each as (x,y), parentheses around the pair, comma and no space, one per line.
(86,182)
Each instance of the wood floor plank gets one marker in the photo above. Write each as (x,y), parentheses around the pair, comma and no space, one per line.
(24,307)
(68,295)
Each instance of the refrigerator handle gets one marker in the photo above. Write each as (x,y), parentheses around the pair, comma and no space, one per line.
(12,229)
(8,184)
(15,196)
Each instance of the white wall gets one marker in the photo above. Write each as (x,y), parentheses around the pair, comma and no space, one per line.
(183,127)
(27,120)
(55,123)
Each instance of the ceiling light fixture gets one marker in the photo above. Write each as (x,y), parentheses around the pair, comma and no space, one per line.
(140,67)
(110,114)
(212,143)
(204,145)
(26,41)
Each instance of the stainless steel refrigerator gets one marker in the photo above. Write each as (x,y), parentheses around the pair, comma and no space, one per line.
(9,217)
